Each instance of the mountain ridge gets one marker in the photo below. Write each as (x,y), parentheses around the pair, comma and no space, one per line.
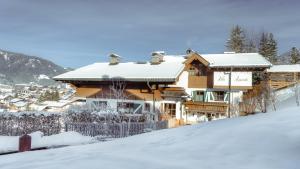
(22,68)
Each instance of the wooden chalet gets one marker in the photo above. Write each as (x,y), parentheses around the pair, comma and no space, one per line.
(282,76)
(190,88)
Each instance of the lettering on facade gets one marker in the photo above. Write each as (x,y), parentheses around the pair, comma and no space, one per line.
(237,79)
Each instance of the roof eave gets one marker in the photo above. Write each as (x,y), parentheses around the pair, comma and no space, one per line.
(240,66)
(124,79)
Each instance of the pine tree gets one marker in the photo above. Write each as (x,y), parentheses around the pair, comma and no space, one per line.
(263,47)
(236,41)
(272,49)
(294,56)
(250,46)
(56,95)
(268,47)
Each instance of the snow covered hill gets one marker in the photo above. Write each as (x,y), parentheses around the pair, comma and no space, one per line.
(262,141)
(20,68)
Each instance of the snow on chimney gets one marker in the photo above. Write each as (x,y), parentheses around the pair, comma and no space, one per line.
(114,59)
(157,57)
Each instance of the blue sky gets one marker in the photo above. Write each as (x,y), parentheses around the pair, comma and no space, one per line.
(74,33)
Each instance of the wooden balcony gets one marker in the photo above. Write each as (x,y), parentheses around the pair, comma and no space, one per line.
(280,84)
(206,107)
(197,81)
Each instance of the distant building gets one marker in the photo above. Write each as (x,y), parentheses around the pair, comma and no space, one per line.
(281,76)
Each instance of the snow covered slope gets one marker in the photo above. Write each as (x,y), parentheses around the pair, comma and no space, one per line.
(263,141)
(10,143)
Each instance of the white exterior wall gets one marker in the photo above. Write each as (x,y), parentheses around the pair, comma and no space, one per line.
(113,103)
(178,110)
(183,80)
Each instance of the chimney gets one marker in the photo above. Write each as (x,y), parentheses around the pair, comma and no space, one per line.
(157,57)
(114,59)
(189,51)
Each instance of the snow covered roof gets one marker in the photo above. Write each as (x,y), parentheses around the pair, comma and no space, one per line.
(15,100)
(60,103)
(4,96)
(236,60)
(166,71)
(285,68)
(20,104)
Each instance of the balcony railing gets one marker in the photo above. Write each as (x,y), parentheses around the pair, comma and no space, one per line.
(206,107)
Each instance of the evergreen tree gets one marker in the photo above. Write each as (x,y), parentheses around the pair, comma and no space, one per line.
(250,46)
(53,96)
(272,49)
(294,56)
(236,41)
(263,47)
(56,95)
(268,47)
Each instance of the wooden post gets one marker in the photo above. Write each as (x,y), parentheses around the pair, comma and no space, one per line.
(25,143)
(229,94)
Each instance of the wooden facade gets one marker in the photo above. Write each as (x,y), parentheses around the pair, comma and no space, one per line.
(197,81)
(201,77)
(280,80)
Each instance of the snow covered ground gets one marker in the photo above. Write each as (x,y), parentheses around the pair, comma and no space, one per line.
(10,143)
(262,141)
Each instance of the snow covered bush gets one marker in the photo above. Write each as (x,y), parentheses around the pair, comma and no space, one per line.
(14,124)
(86,114)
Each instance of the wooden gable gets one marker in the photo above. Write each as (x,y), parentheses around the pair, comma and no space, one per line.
(196,56)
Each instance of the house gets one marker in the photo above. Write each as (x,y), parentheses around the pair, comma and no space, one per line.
(281,76)
(191,88)
(6,88)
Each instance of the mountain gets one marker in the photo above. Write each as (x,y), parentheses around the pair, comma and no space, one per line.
(21,68)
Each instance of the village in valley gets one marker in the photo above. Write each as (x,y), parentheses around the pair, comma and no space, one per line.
(35,97)
(153,90)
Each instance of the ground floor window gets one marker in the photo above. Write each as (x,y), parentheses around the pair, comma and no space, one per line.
(170,109)
(218,95)
(125,107)
(100,104)
(147,107)
(198,96)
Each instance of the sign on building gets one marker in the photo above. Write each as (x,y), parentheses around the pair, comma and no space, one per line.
(243,79)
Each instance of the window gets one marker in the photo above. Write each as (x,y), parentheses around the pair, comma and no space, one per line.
(192,71)
(218,95)
(202,70)
(126,107)
(198,96)
(100,104)
(170,109)
(197,69)
(147,107)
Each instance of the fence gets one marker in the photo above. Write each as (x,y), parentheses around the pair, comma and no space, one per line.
(115,130)
(16,124)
